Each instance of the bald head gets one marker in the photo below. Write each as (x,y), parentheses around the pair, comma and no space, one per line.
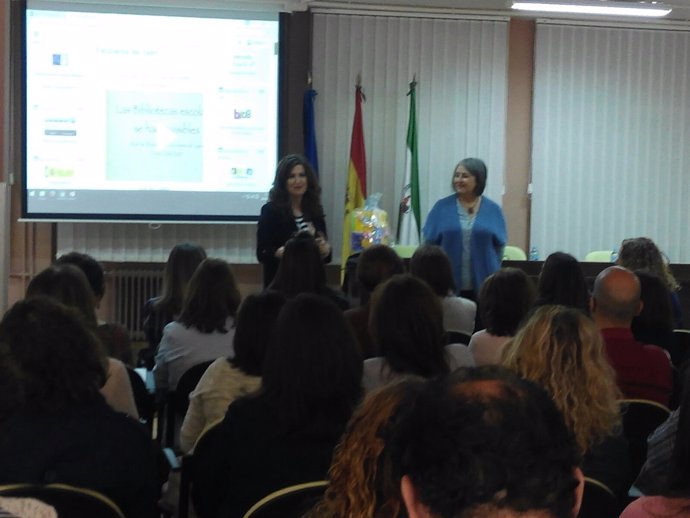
(616,296)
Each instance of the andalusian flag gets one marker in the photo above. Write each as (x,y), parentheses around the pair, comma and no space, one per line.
(409,217)
(356,191)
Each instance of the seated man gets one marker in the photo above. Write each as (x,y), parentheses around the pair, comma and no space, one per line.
(481,442)
(642,371)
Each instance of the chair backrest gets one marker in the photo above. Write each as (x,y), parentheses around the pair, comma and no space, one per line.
(680,346)
(598,256)
(145,400)
(598,501)
(640,418)
(68,501)
(290,502)
(514,253)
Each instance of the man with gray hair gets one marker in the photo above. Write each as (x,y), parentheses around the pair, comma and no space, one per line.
(642,371)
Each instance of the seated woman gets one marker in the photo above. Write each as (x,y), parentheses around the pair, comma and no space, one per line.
(561,349)
(285,433)
(431,264)
(505,299)
(654,324)
(204,330)
(360,481)
(562,281)
(301,270)
(55,426)
(406,325)
(226,379)
(68,285)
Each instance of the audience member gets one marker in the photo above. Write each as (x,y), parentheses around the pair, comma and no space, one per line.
(482,442)
(115,337)
(654,323)
(226,379)
(431,264)
(560,349)
(642,371)
(302,270)
(641,253)
(406,325)
(562,282)
(505,298)
(376,264)
(286,432)
(204,330)
(360,481)
(159,311)
(68,285)
(55,427)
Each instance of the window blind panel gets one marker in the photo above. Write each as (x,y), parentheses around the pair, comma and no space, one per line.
(609,139)
(460,67)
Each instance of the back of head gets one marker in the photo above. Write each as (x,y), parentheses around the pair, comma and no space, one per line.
(406,324)
(313,371)
(562,281)
(181,265)
(616,296)
(255,322)
(561,350)
(431,264)
(656,317)
(91,268)
(641,253)
(68,285)
(301,269)
(505,298)
(482,441)
(211,298)
(376,264)
(49,356)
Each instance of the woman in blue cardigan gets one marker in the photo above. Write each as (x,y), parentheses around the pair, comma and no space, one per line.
(469,227)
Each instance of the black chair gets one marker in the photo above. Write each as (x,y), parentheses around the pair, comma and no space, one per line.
(640,418)
(68,501)
(145,401)
(290,502)
(598,501)
(680,345)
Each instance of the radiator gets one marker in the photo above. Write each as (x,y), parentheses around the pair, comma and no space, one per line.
(130,290)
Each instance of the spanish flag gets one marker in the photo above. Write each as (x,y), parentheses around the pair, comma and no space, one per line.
(356,191)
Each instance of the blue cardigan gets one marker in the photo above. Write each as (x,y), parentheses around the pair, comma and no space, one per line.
(488,238)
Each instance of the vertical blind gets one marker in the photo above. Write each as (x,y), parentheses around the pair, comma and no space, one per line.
(460,67)
(611,120)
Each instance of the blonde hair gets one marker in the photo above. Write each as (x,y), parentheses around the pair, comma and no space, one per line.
(360,479)
(561,349)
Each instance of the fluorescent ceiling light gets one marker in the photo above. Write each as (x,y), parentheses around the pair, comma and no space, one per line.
(655,10)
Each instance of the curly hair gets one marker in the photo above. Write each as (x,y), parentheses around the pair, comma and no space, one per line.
(641,253)
(361,484)
(311,201)
(561,349)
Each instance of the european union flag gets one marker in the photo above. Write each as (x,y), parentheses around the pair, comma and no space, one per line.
(310,130)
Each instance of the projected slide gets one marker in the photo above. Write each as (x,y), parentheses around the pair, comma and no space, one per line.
(132,114)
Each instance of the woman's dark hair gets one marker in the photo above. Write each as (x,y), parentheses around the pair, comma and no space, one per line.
(311,201)
(656,317)
(182,262)
(91,268)
(431,264)
(312,373)
(641,253)
(477,168)
(68,285)
(255,322)
(49,356)
(211,298)
(563,283)
(505,298)
(678,481)
(301,269)
(406,323)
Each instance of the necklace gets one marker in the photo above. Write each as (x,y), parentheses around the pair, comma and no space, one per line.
(470,207)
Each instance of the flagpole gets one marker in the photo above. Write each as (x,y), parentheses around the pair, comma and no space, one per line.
(409,209)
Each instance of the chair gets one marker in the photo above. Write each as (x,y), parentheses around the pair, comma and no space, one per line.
(145,401)
(680,347)
(640,418)
(598,256)
(68,501)
(290,502)
(514,253)
(598,501)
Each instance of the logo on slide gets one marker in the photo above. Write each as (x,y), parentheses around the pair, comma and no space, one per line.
(243,114)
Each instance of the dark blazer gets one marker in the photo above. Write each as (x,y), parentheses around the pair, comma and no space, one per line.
(274,229)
